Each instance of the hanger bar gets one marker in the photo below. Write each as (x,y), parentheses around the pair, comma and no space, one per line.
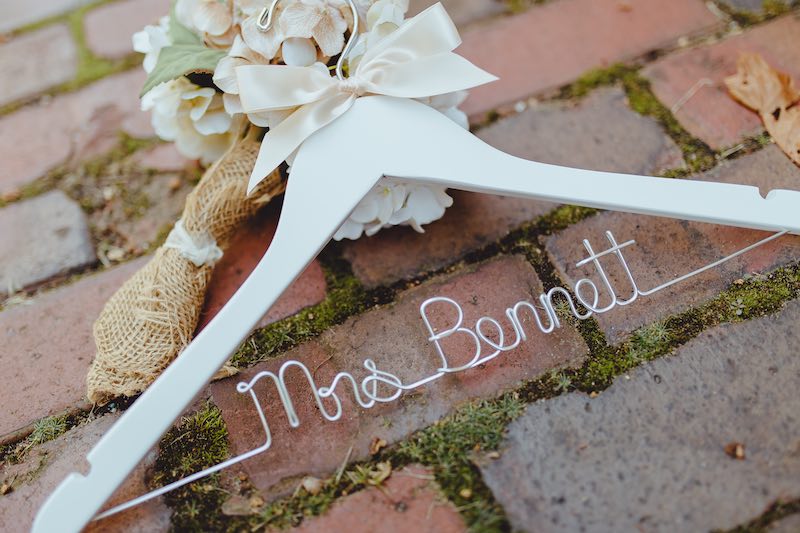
(333,171)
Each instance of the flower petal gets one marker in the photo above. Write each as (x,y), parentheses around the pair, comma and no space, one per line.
(264,43)
(212,17)
(299,52)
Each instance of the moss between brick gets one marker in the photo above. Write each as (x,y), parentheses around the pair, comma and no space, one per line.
(346,297)
(90,67)
(698,156)
(449,446)
(777,511)
(770,9)
(197,442)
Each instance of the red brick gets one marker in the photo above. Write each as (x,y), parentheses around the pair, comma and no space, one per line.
(711,114)
(50,238)
(395,338)
(48,346)
(599,132)
(648,454)
(405,502)
(36,61)
(463,12)
(109,28)
(244,252)
(18,14)
(47,465)
(551,45)
(70,128)
(162,157)
(666,249)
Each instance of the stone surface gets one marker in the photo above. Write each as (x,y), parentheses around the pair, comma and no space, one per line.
(109,28)
(395,338)
(550,45)
(790,524)
(463,12)
(48,346)
(666,249)
(47,465)
(405,502)
(162,157)
(747,6)
(245,251)
(70,128)
(36,61)
(711,114)
(648,454)
(17,13)
(599,132)
(49,238)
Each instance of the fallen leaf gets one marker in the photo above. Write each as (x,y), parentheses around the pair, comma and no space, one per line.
(237,506)
(735,450)
(376,445)
(312,485)
(773,95)
(382,471)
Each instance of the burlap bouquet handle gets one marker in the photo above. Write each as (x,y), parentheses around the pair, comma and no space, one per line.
(152,317)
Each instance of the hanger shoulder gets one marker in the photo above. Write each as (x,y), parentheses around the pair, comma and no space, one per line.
(413,141)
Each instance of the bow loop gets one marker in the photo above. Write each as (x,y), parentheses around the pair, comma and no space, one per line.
(415,61)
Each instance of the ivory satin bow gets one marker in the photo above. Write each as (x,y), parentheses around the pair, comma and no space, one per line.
(415,61)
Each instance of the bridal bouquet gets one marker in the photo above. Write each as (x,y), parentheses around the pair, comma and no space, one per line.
(193,95)
(192,92)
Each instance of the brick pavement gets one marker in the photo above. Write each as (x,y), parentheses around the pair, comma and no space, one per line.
(732,383)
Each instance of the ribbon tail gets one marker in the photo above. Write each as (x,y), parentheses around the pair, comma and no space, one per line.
(430,76)
(286,137)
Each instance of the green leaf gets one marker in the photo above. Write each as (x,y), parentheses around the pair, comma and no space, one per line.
(181,59)
(180,34)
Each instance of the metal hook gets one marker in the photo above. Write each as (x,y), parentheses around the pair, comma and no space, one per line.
(264,23)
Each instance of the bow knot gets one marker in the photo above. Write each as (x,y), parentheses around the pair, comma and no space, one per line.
(415,61)
(353,86)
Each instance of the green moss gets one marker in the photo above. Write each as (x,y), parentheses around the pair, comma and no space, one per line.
(699,157)
(447,448)
(748,298)
(518,6)
(769,9)
(44,430)
(776,511)
(89,66)
(346,297)
(197,442)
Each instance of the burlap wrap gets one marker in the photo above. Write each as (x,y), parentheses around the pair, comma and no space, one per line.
(152,317)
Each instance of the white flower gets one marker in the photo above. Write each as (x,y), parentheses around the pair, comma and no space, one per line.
(385,16)
(192,116)
(210,18)
(326,21)
(299,52)
(392,203)
(150,41)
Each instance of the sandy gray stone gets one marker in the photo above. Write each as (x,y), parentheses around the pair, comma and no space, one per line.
(649,454)
(56,61)
(42,238)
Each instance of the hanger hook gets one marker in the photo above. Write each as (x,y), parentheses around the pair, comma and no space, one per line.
(264,23)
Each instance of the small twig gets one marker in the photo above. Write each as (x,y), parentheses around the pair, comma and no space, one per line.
(702,82)
(344,464)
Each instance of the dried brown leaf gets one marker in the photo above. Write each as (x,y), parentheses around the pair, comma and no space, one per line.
(773,95)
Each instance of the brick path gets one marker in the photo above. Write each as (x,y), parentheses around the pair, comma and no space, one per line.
(678,414)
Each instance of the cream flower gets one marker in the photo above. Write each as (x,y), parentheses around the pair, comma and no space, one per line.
(192,116)
(210,18)
(150,41)
(385,16)
(326,21)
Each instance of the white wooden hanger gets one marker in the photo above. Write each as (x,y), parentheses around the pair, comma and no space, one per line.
(333,170)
